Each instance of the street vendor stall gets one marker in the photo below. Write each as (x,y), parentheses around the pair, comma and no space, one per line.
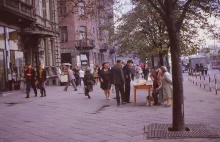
(143,84)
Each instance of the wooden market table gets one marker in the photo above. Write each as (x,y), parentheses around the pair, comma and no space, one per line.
(141,87)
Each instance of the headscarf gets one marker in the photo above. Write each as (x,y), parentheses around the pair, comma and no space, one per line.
(164,69)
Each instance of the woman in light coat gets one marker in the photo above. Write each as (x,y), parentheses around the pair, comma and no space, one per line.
(166,86)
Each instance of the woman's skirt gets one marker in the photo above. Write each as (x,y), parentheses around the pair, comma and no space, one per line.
(106,85)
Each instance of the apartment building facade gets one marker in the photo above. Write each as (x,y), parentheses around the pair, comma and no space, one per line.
(84,32)
(28,35)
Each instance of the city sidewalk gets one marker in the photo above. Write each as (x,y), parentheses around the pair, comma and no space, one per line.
(72,117)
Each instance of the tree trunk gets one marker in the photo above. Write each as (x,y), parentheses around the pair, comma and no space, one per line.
(161,56)
(152,60)
(178,101)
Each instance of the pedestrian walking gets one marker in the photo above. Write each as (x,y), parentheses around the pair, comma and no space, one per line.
(118,79)
(105,79)
(96,75)
(132,68)
(76,75)
(88,81)
(166,86)
(138,71)
(156,77)
(30,78)
(41,79)
(81,76)
(146,71)
(127,74)
(71,79)
(23,83)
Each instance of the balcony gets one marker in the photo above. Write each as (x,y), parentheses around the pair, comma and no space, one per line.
(104,47)
(17,9)
(85,45)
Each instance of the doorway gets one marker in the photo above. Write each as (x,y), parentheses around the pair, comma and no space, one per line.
(2,70)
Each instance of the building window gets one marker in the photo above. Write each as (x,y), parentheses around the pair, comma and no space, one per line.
(29,2)
(62,7)
(63,34)
(45,52)
(2,38)
(12,35)
(53,52)
(81,8)
(82,32)
(44,9)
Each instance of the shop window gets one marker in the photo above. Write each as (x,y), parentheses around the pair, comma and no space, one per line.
(12,38)
(2,71)
(2,38)
(17,65)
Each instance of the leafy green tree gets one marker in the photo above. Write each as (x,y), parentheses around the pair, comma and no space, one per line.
(147,35)
(173,13)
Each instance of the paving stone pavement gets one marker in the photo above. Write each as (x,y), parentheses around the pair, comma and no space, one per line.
(71,117)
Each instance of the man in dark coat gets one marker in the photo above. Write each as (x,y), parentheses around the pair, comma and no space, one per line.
(127,74)
(89,81)
(76,74)
(41,78)
(30,78)
(118,80)
(146,71)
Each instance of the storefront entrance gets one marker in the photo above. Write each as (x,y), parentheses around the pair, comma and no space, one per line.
(2,71)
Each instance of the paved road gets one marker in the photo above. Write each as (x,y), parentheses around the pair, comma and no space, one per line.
(71,117)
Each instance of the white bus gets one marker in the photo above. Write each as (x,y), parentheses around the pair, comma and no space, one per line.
(215,61)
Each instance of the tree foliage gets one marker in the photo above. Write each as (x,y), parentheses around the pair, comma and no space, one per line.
(174,14)
(143,32)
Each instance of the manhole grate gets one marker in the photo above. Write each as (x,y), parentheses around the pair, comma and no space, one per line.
(195,131)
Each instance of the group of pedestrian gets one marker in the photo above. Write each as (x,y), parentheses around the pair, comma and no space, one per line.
(35,79)
(141,71)
(162,85)
(118,77)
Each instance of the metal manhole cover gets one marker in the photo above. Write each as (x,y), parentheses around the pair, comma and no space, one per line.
(195,131)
